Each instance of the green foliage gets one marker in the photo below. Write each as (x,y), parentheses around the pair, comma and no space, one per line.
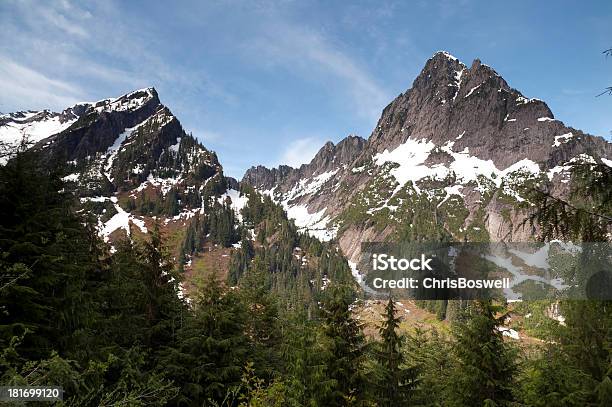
(575,369)
(241,258)
(211,346)
(431,355)
(586,214)
(486,365)
(395,381)
(345,345)
(305,359)
(112,330)
(262,325)
(45,258)
(299,265)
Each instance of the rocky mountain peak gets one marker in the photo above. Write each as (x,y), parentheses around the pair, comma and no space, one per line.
(129,102)
(453,145)
(471,107)
(94,127)
(330,157)
(265,178)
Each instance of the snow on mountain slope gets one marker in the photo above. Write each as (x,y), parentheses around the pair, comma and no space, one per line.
(129,158)
(35,126)
(448,156)
(31,126)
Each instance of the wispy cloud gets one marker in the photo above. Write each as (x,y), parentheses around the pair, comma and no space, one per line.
(26,88)
(300,151)
(95,45)
(63,21)
(207,136)
(305,50)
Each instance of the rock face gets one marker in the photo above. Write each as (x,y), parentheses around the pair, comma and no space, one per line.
(129,149)
(328,158)
(131,142)
(135,170)
(498,123)
(99,125)
(447,158)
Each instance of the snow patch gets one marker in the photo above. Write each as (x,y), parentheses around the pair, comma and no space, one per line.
(71,178)
(175,147)
(17,129)
(511,333)
(472,91)
(114,149)
(458,75)
(412,154)
(237,202)
(315,224)
(308,186)
(563,138)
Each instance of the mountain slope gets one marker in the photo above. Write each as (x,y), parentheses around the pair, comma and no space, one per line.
(134,168)
(447,159)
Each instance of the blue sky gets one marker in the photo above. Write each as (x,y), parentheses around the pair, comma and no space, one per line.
(264,82)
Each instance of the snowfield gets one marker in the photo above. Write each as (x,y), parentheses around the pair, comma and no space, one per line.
(412,154)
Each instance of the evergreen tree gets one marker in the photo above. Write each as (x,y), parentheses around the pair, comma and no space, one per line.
(581,357)
(576,368)
(163,308)
(263,319)
(241,258)
(345,346)
(171,204)
(211,348)
(585,214)
(46,259)
(305,360)
(395,381)
(484,374)
(433,359)
(124,306)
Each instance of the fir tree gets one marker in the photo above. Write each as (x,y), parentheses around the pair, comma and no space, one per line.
(345,346)
(583,350)
(262,325)
(305,360)
(585,214)
(163,307)
(211,348)
(46,260)
(484,374)
(395,381)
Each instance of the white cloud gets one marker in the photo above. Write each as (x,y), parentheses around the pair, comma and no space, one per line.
(107,55)
(300,151)
(315,56)
(26,88)
(61,20)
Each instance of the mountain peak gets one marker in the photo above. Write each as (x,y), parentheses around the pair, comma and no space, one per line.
(331,155)
(472,107)
(444,54)
(442,57)
(150,92)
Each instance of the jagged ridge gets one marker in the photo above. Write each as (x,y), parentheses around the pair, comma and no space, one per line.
(455,143)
